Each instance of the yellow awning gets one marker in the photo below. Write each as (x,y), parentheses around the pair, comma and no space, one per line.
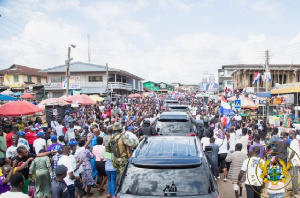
(286,90)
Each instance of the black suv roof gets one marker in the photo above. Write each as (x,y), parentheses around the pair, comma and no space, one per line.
(174,115)
(171,151)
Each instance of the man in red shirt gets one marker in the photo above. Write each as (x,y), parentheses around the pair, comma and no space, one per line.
(31,136)
(9,135)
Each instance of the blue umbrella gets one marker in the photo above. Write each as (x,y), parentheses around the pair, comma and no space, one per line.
(17,94)
(5,97)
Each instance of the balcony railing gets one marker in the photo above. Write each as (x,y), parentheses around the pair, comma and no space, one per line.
(119,85)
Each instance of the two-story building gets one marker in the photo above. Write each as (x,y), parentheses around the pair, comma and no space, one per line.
(243,75)
(151,86)
(89,79)
(21,78)
(164,87)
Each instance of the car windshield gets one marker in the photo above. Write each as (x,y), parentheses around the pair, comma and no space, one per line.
(173,126)
(166,182)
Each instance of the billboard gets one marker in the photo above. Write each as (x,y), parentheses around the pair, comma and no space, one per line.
(209,83)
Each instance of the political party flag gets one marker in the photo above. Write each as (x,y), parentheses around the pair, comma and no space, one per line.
(225,108)
(256,77)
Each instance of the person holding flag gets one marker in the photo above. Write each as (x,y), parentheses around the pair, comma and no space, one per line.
(225,109)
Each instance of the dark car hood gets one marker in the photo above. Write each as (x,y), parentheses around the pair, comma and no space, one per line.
(198,196)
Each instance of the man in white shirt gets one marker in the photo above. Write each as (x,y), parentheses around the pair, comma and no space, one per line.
(39,143)
(252,170)
(232,137)
(198,116)
(237,117)
(294,154)
(59,129)
(70,134)
(54,123)
(67,161)
(205,141)
(12,150)
(244,140)
(238,132)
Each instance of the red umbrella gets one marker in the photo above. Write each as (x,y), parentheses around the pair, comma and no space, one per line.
(18,108)
(136,95)
(27,96)
(80,99)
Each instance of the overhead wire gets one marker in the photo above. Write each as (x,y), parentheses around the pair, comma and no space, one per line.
(21,28)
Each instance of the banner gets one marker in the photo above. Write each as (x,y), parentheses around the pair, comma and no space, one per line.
(209,83)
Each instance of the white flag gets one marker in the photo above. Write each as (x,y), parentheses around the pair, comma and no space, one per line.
(267,76)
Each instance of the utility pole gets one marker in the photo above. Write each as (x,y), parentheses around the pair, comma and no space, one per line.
(89,48)
(68,70)
(107,77)
(267,82)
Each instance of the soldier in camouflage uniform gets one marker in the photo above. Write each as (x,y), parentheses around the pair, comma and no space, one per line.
(120,145)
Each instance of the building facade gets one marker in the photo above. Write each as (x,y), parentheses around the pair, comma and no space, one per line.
(19,78)
(190,88)
(243,75)
(224,80)
(90,79)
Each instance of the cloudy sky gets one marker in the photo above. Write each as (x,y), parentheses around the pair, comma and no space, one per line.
(159,40)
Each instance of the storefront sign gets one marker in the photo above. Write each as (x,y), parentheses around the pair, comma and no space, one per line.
(74,86)
(16,85)
(53,86)
(59,86)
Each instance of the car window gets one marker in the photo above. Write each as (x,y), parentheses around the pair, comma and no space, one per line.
(166,182)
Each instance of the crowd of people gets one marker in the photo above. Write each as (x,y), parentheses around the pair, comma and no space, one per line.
(91,145)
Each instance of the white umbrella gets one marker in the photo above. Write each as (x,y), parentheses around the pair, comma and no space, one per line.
(7,92)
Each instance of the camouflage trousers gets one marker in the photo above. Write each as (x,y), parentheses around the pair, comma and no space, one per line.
(120,164)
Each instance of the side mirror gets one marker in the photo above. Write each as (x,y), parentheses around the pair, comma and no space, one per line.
(158,129)
(208,149)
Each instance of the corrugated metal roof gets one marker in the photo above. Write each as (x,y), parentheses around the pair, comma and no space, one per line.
(20,69)
(78,67)
(86,67)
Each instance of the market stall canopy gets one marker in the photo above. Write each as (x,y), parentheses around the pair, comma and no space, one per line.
(286,90)
(18,108)
(136,95)
(264,94)
(7,98)
(27,96)
(247,103)
(80,99)
(7,92)
(96,98)
(53,101)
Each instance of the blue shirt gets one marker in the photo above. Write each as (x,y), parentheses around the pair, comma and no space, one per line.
(56,147)
(55,161)
(94,141)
